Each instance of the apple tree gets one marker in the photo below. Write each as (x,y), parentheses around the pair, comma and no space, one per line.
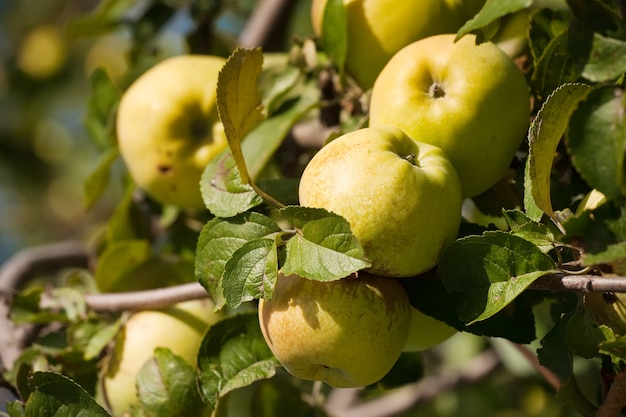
(536,268)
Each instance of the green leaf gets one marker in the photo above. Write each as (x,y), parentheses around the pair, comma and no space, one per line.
(251,272)
(491,12)
(491,271)
(233,354)
(97,182)
(583,335)
(262,142)
(607,60)
(560,50)
(102,19)
(129,220)
(614,346)
(554,353)
(323,247)
(596,140)
(537,233)
(544,136)
(218,241)
(103,100)
(515,323)
(55,395)
(334,36)
(238,100)
(99,341)
(166,386)
(224,191)
(571,395)
(613,253)
(118,261)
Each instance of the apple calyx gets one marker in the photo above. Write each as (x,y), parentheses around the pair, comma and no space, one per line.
(436,90)
(410,158)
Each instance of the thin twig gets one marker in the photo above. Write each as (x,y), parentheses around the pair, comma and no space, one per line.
(581,283)
(148,299)
(260,25)
(408,396)
(547,374)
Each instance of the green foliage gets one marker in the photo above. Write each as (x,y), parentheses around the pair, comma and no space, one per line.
(489,282)
(233,355)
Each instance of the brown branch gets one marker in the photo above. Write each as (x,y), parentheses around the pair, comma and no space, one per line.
(262,22)
(148,299)
(547,374)
(43,259)
(581,283)
(345,403)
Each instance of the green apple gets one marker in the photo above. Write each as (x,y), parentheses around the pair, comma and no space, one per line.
(43,52)
(470,100)
(347,333)
(179,328)
(426,332)
(377,29)
(401,197)
(168,128)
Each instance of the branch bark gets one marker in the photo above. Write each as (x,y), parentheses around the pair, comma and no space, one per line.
(262,22)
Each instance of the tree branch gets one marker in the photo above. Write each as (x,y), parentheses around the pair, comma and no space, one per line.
(142,300)
(260,25)
(344,402)
(581,283)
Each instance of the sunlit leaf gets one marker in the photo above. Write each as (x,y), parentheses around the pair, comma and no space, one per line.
(55,395)
(334,36)
(238,100)
(545,133)
(323,247)
(251,272)
(218,241)
(166,386)
(489,14)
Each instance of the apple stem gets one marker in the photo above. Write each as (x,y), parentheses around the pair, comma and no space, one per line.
(436,90)
(410,158)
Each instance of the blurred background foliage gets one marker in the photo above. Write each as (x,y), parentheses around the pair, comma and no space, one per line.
(46,153)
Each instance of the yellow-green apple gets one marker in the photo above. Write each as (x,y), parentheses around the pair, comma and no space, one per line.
(43,52)
(470,100)
(426,332)
(179,328)
(401,197)
(168,128)
(347,333)
(376,29)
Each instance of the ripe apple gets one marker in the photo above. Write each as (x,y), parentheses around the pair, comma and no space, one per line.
(347,333)
(470,100)
(401,197)
(168,128)
(43,52)
(179,328)
(377,29)
(426,332)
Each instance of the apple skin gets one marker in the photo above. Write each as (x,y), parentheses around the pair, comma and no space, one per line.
(426,332)
(377,29)
(403,213)
(470,100)
(168,128)
(347,333)
(179,328)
